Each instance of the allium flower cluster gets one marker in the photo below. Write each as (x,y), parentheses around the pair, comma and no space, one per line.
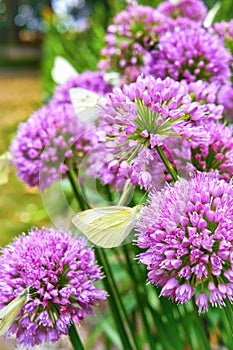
(60,272)
(187,232)
(53,139)
(217,153)
(192,9)
(225,97)
(206,94)
(132,35)
(225,31)
(191,54)
(48,143)
(139,117)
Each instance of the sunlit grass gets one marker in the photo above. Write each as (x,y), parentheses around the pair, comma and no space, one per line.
(20,206)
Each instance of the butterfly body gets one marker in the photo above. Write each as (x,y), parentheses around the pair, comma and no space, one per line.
(152,44)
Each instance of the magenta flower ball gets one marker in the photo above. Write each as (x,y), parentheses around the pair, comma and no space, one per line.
(187,233)
(191,54)
(60,271)
(135,120)
(195,10)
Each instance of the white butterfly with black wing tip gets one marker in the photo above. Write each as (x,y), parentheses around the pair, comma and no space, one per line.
(107,227)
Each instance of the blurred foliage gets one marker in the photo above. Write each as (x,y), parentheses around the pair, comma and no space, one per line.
(20,207)
(81,49)
(20,14)
(225,12)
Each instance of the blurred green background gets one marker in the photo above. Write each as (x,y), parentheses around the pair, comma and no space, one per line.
(32,33)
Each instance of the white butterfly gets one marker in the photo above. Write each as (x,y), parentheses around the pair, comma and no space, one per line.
(211,15)
(84,102)
(62,70)
(112,78)
(107,227)
(9,313)
(175,2)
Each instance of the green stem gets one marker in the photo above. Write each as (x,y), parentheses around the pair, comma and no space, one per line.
(79,198)
(110,286)
(122,308)
(122,201)
(228,310)
(74,338)
(197,323)
(109,281)
(126,193)
(167,164)
(139,297)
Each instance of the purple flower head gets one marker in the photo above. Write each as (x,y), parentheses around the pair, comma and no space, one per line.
(225,97)
(129,39)
(139,117)
(187,231)
(191,54)
(192,9)
(60,272)
(93,81)
(49,142)
(225,31)
(217,153)
(207,94)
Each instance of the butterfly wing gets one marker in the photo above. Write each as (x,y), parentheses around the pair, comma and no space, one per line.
(112,78)
(211,15)
(9,313)
(106,227)
(84,102)
(62,70)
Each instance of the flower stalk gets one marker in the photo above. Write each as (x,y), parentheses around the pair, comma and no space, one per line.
(167,164)
(74,338)
(115,303)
